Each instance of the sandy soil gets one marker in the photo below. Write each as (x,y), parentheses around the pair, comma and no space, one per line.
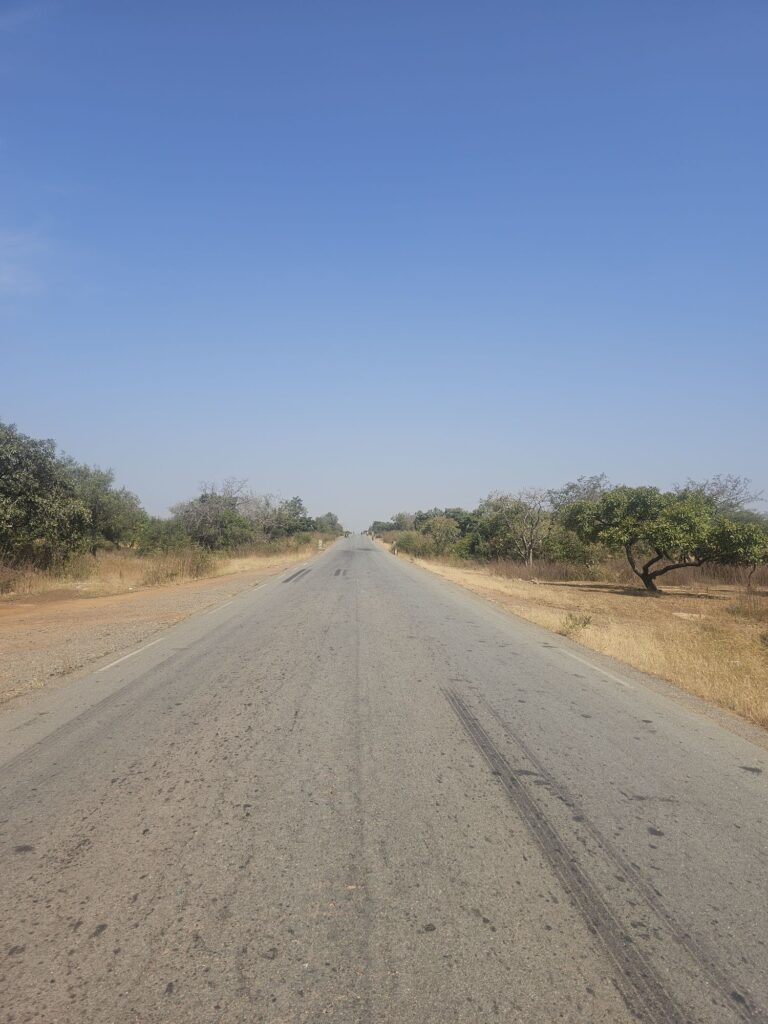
(57,634)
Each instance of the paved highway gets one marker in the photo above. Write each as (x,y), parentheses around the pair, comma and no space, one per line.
(359,794)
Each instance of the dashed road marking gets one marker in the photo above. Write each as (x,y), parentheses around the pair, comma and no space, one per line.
(596,668)
(125,657)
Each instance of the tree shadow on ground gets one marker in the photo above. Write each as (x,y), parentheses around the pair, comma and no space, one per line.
(626,590)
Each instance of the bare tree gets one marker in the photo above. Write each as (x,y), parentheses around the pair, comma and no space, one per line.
(403,520)
(263,510)
(525,518)
(584,488)
(729,494)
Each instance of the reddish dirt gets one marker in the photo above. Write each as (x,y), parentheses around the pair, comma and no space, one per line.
(61,633)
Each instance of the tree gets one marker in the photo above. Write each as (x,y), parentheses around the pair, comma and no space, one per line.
(42,518)
(263,511)
(329,523)
(116,515)
(213,519)
(519,522)
(443,531)
(403,521)
(730,494)
(421,518)
(584,488)
(294,517)
(164,535)
(378,526)
(742,544)
(659,532)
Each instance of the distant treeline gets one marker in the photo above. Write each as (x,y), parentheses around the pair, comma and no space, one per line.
(52,507)
(588,520)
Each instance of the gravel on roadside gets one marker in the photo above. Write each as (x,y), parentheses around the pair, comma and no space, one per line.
(44,640)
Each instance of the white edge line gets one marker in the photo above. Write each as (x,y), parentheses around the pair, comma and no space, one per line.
(220,606)
(126,656)
(596,668)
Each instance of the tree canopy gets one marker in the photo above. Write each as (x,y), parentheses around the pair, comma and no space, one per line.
(43,519)
(583,521)
(52,507)
(663,531)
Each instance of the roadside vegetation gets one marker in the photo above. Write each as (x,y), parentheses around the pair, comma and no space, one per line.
(65,525)
(588,561)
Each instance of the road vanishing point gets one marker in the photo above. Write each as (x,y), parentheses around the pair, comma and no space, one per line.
(358,793)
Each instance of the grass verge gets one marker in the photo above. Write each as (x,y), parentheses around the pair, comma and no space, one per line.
(117,572)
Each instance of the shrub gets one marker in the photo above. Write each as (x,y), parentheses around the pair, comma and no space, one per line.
(417,544)
(573,624)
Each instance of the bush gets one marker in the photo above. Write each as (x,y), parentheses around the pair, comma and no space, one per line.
(162,535)
(573,624)
(417,544)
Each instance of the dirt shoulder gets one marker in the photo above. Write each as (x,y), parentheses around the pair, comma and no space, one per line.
(49,636)
(712,643)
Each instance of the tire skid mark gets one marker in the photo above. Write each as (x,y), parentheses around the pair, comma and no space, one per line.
(640,987)
(296,576)
(738,1001)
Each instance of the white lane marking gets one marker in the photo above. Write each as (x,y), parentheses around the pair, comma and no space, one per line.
(596,668)
(125,657)
(220,606)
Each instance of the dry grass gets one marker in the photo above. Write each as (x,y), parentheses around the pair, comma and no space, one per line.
(117,572)
(711,641)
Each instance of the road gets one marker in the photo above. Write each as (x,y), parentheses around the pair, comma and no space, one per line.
(360,794)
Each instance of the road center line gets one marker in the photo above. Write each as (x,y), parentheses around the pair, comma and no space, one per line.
(126,656)
(596,668)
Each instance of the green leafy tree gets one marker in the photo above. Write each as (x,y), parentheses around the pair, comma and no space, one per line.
(420,520)
(42,519)
(743,544)
(213,519)
(443,531)
(116,514)
(379,526)
(730,494)
(294,518)
(163,535)
(584,488)
(515,525)
(403,521)
(329,523)
(659,532)
(416,543)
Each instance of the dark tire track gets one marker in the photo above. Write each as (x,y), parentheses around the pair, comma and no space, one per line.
(737,999)
(296,576)
(640,987)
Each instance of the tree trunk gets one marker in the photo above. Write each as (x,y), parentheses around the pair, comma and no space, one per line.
(649,582)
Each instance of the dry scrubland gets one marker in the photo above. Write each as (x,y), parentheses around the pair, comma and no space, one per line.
(118,572)
(710,638)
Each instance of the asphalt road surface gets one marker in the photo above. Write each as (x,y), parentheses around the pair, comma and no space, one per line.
(360,794)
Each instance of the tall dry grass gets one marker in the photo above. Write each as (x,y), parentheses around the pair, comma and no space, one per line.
(116,572)
(617,570)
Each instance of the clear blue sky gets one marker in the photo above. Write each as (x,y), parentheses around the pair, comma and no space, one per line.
(386,255)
